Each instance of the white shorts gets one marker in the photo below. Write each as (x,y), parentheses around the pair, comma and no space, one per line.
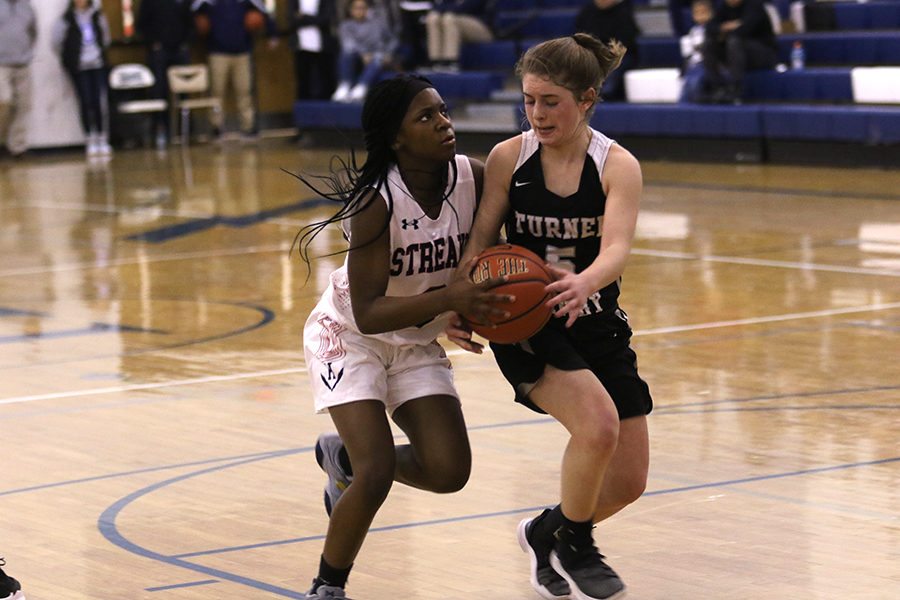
(346,366)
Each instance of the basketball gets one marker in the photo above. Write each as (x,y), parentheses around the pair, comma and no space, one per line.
(254,21)
(527,277)
(201,22)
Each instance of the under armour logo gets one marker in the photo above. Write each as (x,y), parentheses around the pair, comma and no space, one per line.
(414,223)
(332,379)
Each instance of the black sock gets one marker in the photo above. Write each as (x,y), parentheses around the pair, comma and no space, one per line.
(573,537)
(328,575)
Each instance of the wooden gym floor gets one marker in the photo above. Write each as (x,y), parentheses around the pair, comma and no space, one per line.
(157,426)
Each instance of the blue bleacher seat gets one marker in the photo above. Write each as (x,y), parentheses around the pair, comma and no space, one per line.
(551,23)
(678,120)
(859,124)
(804,85)
(884,14)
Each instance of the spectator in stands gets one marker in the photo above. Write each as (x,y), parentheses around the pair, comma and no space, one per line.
(692,44)
(168,26)
(18,31)
(81,38)
(313,24)
(412,15)
(367,46)
(230,44)
(609,20)
(451,23)
(740,38)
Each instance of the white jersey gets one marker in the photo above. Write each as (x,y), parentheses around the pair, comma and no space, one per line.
(424,254)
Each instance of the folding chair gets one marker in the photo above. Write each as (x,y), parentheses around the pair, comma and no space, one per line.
(187,83)
(131,87)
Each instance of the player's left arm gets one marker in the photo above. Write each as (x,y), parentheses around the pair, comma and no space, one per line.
(622,183)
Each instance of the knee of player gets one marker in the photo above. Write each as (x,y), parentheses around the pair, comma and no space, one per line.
(631,488)
(373,483)
(451,475)
(598,429)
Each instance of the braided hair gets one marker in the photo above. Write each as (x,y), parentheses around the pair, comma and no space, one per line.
(383,112)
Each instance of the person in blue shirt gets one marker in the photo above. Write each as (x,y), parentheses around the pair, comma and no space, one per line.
(230,47)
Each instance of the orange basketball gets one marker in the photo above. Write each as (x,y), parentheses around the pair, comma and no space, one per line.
(201,22)
(527,277)
(254,21)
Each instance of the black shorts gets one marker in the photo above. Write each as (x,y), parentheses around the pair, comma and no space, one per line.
(598,343)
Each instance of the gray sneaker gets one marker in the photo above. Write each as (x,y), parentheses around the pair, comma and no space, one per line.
(546,581)
(328,448)
(588,576)
(325,591)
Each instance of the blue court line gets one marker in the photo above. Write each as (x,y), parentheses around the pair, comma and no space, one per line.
(93,328)
(255,455)
(176,586)
(15,312)
(504,513)
(107,521)
(107,526)
(169,232)
(267,317)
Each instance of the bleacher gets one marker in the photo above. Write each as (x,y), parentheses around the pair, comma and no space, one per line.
(846,98)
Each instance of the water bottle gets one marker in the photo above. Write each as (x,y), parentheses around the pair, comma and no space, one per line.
(798,55)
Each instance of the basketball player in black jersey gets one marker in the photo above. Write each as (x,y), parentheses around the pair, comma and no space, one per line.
(571,195)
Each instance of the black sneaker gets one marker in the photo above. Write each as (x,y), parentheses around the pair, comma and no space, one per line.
(588,576)
(9,587)
(546,581)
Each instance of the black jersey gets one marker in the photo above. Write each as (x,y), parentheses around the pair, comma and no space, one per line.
(565,232)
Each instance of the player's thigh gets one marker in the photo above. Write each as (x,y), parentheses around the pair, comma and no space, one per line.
(576,399)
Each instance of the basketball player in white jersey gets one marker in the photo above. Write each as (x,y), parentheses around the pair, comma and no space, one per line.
(370,342)
(571,195)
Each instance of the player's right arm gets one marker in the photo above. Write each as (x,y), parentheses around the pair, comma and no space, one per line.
(485,232)
(494,204)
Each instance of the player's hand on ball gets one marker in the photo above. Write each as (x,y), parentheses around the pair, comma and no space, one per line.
(571,292)
(476,300)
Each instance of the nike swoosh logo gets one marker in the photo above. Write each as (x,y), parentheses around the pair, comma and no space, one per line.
(521,183)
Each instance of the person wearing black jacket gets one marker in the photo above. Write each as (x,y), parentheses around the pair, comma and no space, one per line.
(81,37)
(740,38)
(609,20)
(168,26)
(313,24)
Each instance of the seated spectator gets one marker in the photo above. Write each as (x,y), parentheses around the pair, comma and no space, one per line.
(450,24)
(740,38)
(692,44)
(81,38)
(609,20)
(367,45)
